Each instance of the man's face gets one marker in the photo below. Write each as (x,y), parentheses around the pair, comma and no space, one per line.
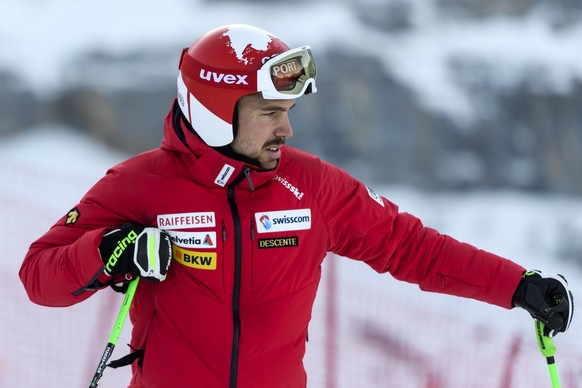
(263,126)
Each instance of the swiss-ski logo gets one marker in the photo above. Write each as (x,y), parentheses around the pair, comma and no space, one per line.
(224,175)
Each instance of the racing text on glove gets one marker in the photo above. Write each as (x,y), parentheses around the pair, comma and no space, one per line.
(136,250)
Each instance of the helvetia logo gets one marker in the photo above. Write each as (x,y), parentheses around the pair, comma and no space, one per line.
(193,239)
(284,220)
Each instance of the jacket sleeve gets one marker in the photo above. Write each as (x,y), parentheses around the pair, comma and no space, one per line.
(366,227)
(66,258)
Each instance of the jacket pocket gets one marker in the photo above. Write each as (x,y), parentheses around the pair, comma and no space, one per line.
(276,263)
(201,254)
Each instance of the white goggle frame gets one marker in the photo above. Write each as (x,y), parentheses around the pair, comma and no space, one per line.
(265,82)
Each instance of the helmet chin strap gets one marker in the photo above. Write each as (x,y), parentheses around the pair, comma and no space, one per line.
(224,150)
(227,149)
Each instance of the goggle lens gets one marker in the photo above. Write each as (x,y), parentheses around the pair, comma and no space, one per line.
(290,73)
(285,74)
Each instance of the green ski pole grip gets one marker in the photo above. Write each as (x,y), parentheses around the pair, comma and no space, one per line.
(548,350)
(123,311)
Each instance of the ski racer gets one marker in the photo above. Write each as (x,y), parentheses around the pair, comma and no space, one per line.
(245,222)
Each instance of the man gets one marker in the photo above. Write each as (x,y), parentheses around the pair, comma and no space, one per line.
(248,222)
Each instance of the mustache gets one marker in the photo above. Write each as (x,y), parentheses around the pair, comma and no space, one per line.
(275,142)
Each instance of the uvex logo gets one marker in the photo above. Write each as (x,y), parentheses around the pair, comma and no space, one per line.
(231,79)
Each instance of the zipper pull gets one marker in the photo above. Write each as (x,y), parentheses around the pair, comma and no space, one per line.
(247,172)
(223,232)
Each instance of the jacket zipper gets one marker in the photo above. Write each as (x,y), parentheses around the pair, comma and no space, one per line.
(247,172)
(237,276)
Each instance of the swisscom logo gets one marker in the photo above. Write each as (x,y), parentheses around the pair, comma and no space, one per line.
(284,220)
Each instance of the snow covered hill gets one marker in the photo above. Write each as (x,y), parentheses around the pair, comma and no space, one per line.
(456,93)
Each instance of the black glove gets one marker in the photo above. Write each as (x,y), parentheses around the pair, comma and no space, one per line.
(137,250)
(547,298)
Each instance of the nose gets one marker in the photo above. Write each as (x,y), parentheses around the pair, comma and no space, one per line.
(284,128)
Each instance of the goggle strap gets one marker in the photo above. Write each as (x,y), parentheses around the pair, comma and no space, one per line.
(184,51)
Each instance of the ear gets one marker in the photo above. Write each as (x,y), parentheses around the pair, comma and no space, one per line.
(235,118)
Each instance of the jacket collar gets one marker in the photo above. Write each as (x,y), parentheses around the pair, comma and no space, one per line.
(207,166)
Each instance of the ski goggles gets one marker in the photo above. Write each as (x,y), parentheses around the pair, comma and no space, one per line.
(285,76)
(288,75)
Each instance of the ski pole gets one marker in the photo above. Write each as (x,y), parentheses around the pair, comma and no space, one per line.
(115,332)
(548,350)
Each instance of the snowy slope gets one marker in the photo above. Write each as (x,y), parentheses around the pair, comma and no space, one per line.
(385,331)
(40,40)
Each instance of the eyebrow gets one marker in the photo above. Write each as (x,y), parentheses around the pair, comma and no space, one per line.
(273,108)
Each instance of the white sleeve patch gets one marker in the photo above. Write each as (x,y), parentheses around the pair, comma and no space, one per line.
(375,196)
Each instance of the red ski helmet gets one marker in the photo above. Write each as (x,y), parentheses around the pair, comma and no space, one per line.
(233,61)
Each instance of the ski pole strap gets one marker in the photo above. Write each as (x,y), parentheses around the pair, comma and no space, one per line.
(128,359)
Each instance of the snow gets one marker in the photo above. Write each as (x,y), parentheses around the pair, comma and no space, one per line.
(41,39)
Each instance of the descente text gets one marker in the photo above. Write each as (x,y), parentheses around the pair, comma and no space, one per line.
(281,242)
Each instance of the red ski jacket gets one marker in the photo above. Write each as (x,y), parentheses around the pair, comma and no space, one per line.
(248,248)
